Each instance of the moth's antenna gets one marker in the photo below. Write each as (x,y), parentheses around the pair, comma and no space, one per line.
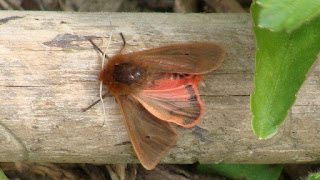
(97,48)
(105,56)
(124,43)
(96,102)
(102,66)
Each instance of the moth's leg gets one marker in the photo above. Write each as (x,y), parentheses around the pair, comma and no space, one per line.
(108,94)
(97,48)
(124,43)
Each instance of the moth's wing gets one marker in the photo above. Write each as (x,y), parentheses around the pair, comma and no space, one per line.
(151,138)
(191,58)
(176,101)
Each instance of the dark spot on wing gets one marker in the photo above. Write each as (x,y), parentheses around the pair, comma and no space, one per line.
(184,75)
(5,20)
(193,97)
(181,76)
(175,76)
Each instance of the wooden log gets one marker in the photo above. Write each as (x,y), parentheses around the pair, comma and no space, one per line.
(49,73)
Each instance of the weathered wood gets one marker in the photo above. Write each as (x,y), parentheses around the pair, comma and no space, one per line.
(49,73)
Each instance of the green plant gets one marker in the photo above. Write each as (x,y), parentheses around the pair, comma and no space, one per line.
(285,53)
(247,171)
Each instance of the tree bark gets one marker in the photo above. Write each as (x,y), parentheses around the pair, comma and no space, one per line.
(49,73)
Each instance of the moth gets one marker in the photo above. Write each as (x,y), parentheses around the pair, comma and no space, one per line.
(156,88)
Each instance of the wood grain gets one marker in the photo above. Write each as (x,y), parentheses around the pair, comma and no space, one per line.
(49,73)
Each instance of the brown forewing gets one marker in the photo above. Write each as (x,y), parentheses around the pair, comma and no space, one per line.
(190,58)
(151,138)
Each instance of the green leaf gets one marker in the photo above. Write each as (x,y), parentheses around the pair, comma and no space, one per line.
(314,176)
(3,176)
(247,171)
(282,62)
(287,14)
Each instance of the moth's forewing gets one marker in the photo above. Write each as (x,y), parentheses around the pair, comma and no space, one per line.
(151,138)
(190,58)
